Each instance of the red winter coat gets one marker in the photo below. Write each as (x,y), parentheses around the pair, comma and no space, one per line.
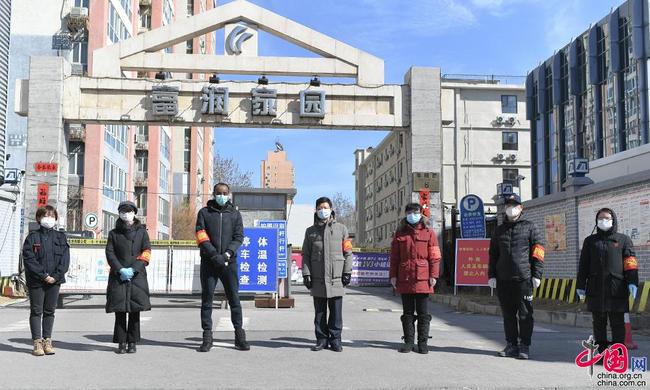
(414,258)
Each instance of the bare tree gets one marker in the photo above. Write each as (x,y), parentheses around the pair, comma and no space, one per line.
(226,170)
(346,212)
(183,221)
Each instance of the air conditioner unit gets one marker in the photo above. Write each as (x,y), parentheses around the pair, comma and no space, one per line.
(499,119)
(77,69)
(500,157)
(140,179)
(512,120)
(78,18)
(145,2)
(512,157)
(140,139)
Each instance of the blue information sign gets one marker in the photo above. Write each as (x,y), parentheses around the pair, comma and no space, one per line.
(472,217)
(282,243)
(257,260)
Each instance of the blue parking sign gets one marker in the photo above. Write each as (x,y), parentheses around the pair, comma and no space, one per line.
(282,243)
(257,260)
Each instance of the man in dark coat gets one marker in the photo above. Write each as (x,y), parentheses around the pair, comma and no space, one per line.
(219,234)
(607,275)
(128,252)
(515,269)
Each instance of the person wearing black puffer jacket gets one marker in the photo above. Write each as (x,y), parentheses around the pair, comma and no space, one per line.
(515,269)
(219,234)
(608,273)
(128,252)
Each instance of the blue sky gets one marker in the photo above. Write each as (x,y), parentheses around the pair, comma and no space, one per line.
(504,37)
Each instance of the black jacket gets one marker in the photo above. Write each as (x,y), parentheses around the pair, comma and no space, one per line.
(607,266)
(45,253)
(219,229)
(516,251)
(128,248)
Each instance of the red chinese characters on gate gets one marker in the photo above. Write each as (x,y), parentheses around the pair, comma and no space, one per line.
(45,167)
(472,261)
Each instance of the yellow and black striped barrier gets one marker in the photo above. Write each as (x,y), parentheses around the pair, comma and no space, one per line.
(565,290)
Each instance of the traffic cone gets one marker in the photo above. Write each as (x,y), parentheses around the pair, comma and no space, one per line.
(628,333)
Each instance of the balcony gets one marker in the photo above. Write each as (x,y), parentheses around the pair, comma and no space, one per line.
(77,133)
(141,142)
(145,2)
(140,179)
(78,19)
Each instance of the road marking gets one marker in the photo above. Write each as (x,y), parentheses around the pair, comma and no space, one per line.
(225,324)
(145,319)
(377,310)
(16,327)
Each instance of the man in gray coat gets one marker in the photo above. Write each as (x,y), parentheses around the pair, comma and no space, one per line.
(326,270)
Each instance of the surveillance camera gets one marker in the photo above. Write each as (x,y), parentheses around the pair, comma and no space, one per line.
(22,172)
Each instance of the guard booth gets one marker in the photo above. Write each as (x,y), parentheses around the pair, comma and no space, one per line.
(260,205)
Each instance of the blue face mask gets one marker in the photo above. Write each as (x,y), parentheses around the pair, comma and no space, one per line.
(221,199)
(324,213)
(413,218)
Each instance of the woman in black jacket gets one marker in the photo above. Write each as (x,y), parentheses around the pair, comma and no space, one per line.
(46,256)
(607,276)
(128,252)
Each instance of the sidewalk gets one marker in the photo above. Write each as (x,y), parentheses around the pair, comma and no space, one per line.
(7,301)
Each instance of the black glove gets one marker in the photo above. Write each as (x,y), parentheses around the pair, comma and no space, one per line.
(219,261)
(345,279)
(306,280)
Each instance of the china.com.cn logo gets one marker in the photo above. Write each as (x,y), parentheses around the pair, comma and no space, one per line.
(614,359)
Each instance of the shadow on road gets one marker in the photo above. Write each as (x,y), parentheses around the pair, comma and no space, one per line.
(59,345)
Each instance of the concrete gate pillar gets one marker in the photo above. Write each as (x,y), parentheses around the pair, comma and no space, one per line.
(46,138)
(424,140)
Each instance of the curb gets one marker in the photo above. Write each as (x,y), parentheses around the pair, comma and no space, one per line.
(564,318)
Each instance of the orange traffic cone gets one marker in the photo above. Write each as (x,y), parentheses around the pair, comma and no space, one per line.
(628,333)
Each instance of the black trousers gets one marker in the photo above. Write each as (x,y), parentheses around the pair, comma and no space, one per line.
(415,302)
(123,333)
(332,326)
(42,304)
(209,278)
(616,322)
(516,299)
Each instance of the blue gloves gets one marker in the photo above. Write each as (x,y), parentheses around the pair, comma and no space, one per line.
(632,288)
(581,293)
(126,274)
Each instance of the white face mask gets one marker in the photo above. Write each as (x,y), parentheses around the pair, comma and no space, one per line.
(48,222)
(127,217)
(605,224)
(324,213)
(513,211)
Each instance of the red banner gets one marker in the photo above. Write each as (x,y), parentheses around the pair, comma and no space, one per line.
(472,260)
(424,202)
(46,167)
(43,194)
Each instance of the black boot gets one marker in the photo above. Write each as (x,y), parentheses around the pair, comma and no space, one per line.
(206,345)
(511,350)
(240,340)
(121,348)
(423,333)
(320,345)
(131,348)
(408,326)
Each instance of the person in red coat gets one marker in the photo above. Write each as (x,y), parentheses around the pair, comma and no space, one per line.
(414,268)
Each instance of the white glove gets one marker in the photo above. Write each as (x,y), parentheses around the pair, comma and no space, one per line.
(492,282)
(581,294)
(536,282)
(393,282)
(432,282)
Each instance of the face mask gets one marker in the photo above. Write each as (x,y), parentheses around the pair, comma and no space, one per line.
(48,222)
(221,199)
(127,217)
(513,211)
(413,218)
(605,224)
(324,213)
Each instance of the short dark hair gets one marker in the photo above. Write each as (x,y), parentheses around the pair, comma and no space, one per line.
(413,207)
(323,199)
(220,184)
(43,211)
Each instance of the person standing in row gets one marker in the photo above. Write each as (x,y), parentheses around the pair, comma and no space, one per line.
(515,270)
(128,252)
(219,234)
(414,269)
(46,255)
(326,270)
(608,273)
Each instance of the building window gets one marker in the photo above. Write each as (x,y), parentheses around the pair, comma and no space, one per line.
(76,159)
(164,177)
(508,104)
(108,223)
(510,140)
(189,47)
(80,54)
(165,144)
(168,12)
(114,182)
(163,211)
(510,176)
(126,5)
(117,30)
(190,7)
(116,136)
(81,3)
(141,202)
(141,164)
(145,18)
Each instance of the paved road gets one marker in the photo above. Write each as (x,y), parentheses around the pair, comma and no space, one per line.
(462,351)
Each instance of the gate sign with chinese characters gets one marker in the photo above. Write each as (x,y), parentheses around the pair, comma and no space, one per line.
(43,194)
(472,217)
(281,226)
(164,101)
(472,261)
(214,100)
(257,260)
(264,102)
(312,104)
(46,167)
